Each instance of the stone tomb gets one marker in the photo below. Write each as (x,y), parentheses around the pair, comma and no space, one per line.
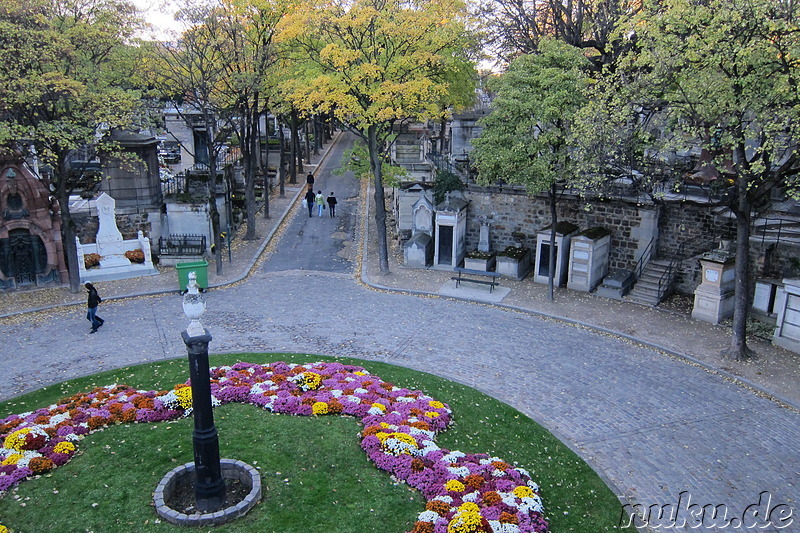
(564,233)
(787,332)
(451,231)
(111,248)
(588,259)
(418,250)
(714,297)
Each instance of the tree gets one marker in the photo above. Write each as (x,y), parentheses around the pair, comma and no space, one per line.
(62,88)
(516,26)
(191,74)
(375,64)
(525,137)
(730,68)
(250,27)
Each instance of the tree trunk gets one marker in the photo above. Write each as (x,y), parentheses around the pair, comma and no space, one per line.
(380,202)
(741,301)
(551,259)
(292,148)
(251,142)
(68,228)
(281,162)
(212,201)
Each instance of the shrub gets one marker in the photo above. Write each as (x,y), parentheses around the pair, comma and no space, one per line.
(91,260)
(135,256)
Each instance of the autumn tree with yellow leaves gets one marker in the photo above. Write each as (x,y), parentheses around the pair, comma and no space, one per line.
(376,64)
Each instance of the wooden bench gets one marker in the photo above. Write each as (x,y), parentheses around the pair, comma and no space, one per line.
(462,272)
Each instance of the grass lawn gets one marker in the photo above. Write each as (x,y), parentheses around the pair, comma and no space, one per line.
(316,478)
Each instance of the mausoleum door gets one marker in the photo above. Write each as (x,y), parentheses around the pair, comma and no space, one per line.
(22,256)
(445,245)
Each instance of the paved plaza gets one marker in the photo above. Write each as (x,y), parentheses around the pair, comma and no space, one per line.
(636,392)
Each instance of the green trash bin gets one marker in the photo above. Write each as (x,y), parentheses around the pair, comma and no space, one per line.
(200,267)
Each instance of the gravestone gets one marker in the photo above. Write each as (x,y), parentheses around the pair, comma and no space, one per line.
(111,248)
(714,297)
(418,250)
(588,259)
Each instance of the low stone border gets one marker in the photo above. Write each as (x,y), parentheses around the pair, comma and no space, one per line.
(231,469)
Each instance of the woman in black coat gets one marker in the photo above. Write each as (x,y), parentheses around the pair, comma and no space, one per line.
(92,303)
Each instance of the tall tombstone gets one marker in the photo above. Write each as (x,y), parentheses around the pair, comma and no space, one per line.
(108,238)
(483,239)
(418,250)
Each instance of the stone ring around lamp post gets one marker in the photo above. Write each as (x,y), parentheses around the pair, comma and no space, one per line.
(195,494)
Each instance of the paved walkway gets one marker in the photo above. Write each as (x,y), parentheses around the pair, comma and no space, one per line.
(654,422)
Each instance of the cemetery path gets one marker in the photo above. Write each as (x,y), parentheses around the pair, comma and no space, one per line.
(656,427)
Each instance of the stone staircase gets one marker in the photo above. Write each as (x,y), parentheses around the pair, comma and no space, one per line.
(646,290)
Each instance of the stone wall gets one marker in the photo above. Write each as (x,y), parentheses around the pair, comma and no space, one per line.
(684,230)
(518,217)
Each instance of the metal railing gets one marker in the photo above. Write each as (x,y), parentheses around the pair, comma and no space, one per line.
(182,245)
(775,228)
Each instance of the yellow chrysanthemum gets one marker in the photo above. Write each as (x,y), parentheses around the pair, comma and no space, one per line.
(359,373)
(382,436)
(465,522)
(384,425)
(12,459)
(310,381)
(184,395)
(454,485)
(431,414)
(523,492)
(3,529)
(319,408)
(469,506)
(64,447)
(16,439)
(436,404)
(379,406)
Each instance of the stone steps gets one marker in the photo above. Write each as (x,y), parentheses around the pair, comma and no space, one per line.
(646,290)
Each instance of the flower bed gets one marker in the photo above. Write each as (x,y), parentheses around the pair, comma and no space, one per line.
(135,256)
(465,493)
(91,260)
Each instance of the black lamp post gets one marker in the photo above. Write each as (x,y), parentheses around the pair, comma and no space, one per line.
(209,487)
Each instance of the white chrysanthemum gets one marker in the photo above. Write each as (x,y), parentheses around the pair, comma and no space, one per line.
(361,390)
(522,471)
(498,473)
(533,485)
(57,419)
(459,471)
(336,393)
(446,499)
(471,497)
(405,399)
(423,432)
(428,446)
(428,516)
(499,527)
(353,399)
(508,498)
(453,456)
(27,455)
(375,411)
(349,379)
(531,504)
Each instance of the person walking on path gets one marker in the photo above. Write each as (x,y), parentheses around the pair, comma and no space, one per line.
(92,303)
(310,198)
(310,179)
(332,204)
(320,200)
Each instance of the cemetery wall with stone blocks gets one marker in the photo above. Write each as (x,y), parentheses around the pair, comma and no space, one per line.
(129,225)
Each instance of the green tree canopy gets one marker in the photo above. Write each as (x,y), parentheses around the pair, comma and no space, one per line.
(722,75)
(62,86)
(525,137)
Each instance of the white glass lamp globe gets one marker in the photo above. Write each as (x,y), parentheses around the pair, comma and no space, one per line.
(194,305)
